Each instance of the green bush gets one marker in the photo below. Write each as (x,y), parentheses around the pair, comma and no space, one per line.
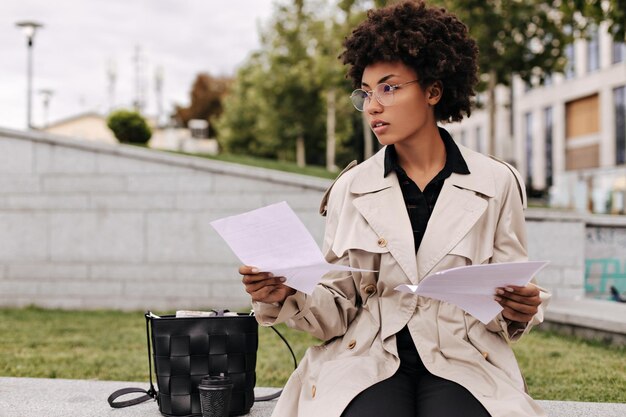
(129,127)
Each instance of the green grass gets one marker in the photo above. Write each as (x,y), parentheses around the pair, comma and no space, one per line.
(111,345)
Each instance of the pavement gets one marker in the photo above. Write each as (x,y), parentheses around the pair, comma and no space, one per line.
(588,318)
(40,397)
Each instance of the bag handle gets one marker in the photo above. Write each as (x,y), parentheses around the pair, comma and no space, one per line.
(150,394)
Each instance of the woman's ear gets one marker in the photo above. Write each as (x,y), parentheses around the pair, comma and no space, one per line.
(434,92)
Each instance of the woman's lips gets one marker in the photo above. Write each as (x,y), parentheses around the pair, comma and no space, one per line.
(379,126)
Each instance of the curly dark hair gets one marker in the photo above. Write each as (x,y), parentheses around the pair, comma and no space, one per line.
(431,41)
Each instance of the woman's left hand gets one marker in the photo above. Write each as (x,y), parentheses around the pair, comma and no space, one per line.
(520,303)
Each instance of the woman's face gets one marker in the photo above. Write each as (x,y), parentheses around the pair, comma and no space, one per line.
(412,110)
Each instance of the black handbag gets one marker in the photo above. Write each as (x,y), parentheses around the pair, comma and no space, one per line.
(185,349)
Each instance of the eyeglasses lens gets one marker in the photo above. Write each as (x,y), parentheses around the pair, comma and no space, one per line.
(383,94)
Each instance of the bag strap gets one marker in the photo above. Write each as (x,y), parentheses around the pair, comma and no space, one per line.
(151,393)
(124,391)
(295,365)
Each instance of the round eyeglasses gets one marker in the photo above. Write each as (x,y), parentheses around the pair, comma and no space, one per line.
(382,92)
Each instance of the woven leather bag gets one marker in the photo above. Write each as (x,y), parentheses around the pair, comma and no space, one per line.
(185,349)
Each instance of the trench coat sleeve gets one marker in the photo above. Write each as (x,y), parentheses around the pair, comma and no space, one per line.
(510,246)
(334,303)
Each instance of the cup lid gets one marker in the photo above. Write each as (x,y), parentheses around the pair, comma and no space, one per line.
(210,380)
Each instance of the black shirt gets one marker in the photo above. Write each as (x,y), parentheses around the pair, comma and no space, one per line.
(420,204)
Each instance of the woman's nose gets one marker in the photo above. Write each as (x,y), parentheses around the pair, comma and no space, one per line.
(372,106)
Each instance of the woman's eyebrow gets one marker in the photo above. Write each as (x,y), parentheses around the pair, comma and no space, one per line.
(382,80)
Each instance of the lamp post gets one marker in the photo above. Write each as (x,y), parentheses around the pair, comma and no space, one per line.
(29,28)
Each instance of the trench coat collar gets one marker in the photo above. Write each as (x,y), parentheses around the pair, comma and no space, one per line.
(460,204)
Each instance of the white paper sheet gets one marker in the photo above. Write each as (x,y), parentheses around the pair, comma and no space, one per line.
(472,288)
(273,239)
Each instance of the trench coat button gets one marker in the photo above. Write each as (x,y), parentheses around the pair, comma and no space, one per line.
(313,391)
(382,242)
(485,355)
(370,289)
(352,344)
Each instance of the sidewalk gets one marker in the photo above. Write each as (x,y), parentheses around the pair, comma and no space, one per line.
(589,319)
(21,397)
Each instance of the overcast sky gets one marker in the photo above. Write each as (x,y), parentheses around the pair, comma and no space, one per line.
(82,38)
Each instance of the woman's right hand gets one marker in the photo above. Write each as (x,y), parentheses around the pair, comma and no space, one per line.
(263,286)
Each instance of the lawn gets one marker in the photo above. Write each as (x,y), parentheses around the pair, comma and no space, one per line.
(111,345)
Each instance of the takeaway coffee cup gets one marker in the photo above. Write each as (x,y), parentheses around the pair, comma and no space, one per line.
(215,393)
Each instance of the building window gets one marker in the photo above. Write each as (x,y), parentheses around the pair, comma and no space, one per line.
(548,126)
(479,139)
(593,51)
(528,125)
(619,97)
(619,52)
(570,67)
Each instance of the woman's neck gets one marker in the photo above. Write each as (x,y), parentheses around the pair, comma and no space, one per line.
(423,156)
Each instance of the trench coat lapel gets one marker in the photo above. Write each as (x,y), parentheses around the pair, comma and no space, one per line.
(462,201)
(379,200)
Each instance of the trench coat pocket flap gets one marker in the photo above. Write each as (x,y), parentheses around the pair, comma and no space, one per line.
(471,248)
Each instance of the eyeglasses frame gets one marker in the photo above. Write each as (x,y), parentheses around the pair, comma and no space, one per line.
(371,93)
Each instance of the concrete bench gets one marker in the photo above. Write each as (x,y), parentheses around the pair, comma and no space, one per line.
(20,397)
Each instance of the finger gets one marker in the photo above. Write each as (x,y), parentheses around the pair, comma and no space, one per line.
(514,315)
(531,301)
(248,270)
(272,294)
(261,276)
(528,291)
(518,307)
(257,285)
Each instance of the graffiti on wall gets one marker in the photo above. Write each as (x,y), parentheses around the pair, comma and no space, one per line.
(603,273)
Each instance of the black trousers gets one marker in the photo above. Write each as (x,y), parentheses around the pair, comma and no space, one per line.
(414,392)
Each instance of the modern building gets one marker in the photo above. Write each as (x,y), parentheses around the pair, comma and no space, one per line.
(567,137)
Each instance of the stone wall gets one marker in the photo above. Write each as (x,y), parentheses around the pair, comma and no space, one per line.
(87,225)
(558,237)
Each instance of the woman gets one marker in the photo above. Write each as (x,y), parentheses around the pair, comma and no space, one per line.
(420,205)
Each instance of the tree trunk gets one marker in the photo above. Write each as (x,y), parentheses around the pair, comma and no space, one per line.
(491,132)
(330,130)
(368,146)
(300,151)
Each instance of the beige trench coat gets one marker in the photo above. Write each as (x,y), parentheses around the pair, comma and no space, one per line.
(478,219)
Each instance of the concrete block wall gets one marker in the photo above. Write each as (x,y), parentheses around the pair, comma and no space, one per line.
(605,260)
(558,237)
(87,225)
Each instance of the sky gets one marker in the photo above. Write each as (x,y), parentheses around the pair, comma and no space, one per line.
(83,40)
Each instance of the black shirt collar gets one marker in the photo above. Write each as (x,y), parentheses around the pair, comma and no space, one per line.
(454,159)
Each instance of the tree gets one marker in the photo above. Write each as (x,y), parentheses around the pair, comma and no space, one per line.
(206,96)
(514,37)
(580,14)
(129,127)
(287,113)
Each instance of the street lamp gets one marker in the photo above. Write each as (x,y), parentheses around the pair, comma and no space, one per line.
(29,28)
